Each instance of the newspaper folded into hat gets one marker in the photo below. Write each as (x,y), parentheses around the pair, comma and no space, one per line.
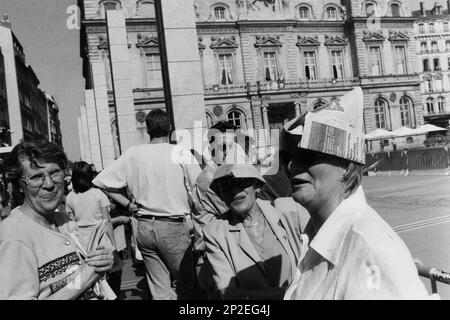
(237,171)
(337,128)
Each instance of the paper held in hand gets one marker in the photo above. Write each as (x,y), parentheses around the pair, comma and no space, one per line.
(101,287)
(337,128)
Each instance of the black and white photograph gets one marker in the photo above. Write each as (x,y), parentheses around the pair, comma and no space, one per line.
(213,150)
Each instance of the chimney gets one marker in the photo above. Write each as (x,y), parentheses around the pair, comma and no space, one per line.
(422,9)
(5,21)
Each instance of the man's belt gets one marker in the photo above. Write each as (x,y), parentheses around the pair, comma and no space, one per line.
(158,218)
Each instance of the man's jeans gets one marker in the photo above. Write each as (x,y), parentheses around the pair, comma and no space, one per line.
(166,248)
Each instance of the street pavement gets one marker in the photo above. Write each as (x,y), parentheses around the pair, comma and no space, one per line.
(417,207)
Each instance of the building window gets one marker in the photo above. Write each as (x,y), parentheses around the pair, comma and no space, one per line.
(146,9)
(332,13)
(441,104)
(431,28)
(370,9)
(153,74)
(219,13)
(237,119)
(405,107)
(439,84)
(426,65)
(375,61)
(309,59)
(430,105)
(337,62)
(395,10)
(270,66)
(436,64)
(421,28)
(434,47)
(400,59)
(409,140)
(428,85)
(448,63)
(446,29)
(447,45)
(380,114)
(226,69)
(424,47)
(303,12)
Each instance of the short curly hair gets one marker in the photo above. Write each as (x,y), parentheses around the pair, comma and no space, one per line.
(38,151)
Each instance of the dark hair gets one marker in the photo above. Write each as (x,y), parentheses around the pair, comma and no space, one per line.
(37,151)
(158,123)
(352,178)
(221,126)
(82,176)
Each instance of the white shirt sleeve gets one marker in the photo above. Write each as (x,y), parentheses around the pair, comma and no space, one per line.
(114,176)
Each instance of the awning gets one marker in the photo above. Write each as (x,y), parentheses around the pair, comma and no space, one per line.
(429,128)
(378,134)
(404,132)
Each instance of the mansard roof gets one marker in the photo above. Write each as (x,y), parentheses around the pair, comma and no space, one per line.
(268,41)
(307,41)
(223,43)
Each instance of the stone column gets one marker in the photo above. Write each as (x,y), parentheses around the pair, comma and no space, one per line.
(103,117)
(266,124)
(122,85)
(183,62)
(81,138)
(85,131)
(92,124)
(298,110)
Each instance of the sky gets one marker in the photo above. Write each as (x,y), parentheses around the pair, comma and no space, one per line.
(52,50)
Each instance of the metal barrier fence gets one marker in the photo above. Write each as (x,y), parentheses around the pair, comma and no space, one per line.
(434,274)
(411,160)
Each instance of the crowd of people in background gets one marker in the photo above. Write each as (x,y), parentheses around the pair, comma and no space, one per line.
(214,229)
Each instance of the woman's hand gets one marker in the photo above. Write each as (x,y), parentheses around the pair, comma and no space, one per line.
(124,220)
(101,260)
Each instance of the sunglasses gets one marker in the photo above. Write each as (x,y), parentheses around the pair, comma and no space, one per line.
(307,158)
(231,183)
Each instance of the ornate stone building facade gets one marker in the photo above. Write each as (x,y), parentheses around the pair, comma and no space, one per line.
(265,61)
(432,34)
(23,105)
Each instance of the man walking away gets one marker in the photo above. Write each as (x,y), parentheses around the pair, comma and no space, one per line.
(158,180)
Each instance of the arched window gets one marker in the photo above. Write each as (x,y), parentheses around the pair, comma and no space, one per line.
(219,13)
(332,13)
(430,105)
(209,120)
(146,9)
(303,12)
(405,111)
(108,5)
(424,47)
(380,114)
(434,46)
(421,28)
(370,9)
(441,104)
(426,65)
(237,118)
(431,27)
(395,10)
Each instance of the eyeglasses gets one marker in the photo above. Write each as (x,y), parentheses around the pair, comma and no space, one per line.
(39,179)
(232,183)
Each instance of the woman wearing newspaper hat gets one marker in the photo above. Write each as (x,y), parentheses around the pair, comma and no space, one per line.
(253,249)
(40,254)
(354,253)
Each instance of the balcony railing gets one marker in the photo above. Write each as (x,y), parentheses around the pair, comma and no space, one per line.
(388,79)
(279,86)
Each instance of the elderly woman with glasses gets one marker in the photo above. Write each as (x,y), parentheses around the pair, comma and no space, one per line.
(39,258)
(253,248)
(353,252)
